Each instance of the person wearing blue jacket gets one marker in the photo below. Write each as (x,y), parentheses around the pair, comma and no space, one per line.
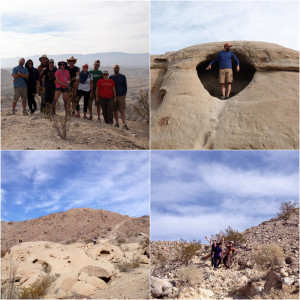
(224,59)
(121,91)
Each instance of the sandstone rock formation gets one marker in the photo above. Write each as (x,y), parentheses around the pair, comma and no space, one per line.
(245,279)
(263,112)
(75,269)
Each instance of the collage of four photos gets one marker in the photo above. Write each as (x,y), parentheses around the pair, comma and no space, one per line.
(150,149)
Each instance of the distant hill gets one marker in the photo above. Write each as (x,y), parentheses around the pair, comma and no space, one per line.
(107,59)
(78,224)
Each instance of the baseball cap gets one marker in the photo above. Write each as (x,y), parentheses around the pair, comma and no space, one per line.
(227,44)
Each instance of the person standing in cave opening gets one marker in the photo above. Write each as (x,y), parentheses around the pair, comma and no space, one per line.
(225,69)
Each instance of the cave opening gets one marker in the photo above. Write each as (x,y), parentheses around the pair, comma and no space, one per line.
(210,78)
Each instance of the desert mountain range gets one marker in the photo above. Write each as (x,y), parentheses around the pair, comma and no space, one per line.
(75,225)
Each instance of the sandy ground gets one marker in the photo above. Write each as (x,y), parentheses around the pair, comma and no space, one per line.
(35,132)
(130,285)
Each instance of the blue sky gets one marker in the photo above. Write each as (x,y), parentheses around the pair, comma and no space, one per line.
(34,27)
(198,193)
(37,183)
(179,24)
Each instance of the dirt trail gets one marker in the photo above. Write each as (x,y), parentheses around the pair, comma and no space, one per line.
(35,132)
(113,234)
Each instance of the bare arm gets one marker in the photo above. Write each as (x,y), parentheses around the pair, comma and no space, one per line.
(208,240)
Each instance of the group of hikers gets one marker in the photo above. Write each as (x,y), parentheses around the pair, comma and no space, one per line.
(108,92)
(217,256)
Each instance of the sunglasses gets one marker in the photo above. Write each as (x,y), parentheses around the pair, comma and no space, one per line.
(105,74)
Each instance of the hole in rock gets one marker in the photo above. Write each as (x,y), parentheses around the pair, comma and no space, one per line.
(105,279)
(210,78)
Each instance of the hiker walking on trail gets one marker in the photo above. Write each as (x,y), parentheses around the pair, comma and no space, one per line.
(33,85)
(230,250)
(95,240)
(84,87)
(217,255)
(62,84)
(121,91)
(20,74)
(97,74)
(224,58)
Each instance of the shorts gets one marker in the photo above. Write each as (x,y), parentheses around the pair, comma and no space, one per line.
(60,89)
(20,92)
(92,100)
(120,104)
(225,76)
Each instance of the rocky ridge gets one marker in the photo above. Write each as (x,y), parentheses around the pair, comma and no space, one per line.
(64,227)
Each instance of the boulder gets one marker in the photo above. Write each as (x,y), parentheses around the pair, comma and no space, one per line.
(291,260)
(205,293)
(82,288)
(103,271)
(186,112)
(272,281)
(160,288)
(288,280)
(97,282)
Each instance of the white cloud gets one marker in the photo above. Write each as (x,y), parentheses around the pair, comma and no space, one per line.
(81,27)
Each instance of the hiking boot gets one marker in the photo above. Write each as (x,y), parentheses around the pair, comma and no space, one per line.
(77,115)
(99,120)
(117,125)
(85,117)
(227,97)
(32,111)
(222,97)
(125,127)
(13,112)
(25,112)
(90,117)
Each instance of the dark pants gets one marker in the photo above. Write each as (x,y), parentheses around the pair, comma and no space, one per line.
(31,101)
(86,98)
(107,106)
(217,261)
(227,260)
(48,97)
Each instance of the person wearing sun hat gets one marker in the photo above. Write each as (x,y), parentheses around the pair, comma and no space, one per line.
(62,84)
(106,94)
(44,65)
(84,87)
(224,59)
(74,71)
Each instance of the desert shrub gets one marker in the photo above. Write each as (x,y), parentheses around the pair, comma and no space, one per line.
(46,267)
(187,250)
(47,246)
(142,107)
(8,273)
(189,276)
(161,259)
(37,290)
(3,252)
(72,241)
(286,209)
(109,228)
(268,256)
(246,291)
(121,241)
(230,234)
(125,266)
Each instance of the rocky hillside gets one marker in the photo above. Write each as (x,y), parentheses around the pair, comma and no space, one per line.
(75,225)
(245,279)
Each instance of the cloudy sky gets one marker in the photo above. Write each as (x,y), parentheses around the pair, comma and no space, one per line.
(37,183)
(198,193)
(176,25)
(34,27)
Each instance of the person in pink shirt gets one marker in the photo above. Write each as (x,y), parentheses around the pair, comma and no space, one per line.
(62,84)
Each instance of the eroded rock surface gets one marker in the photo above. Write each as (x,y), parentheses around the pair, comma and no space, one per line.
(263,112)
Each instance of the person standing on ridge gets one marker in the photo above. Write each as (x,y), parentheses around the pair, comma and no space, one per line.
(225,69)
